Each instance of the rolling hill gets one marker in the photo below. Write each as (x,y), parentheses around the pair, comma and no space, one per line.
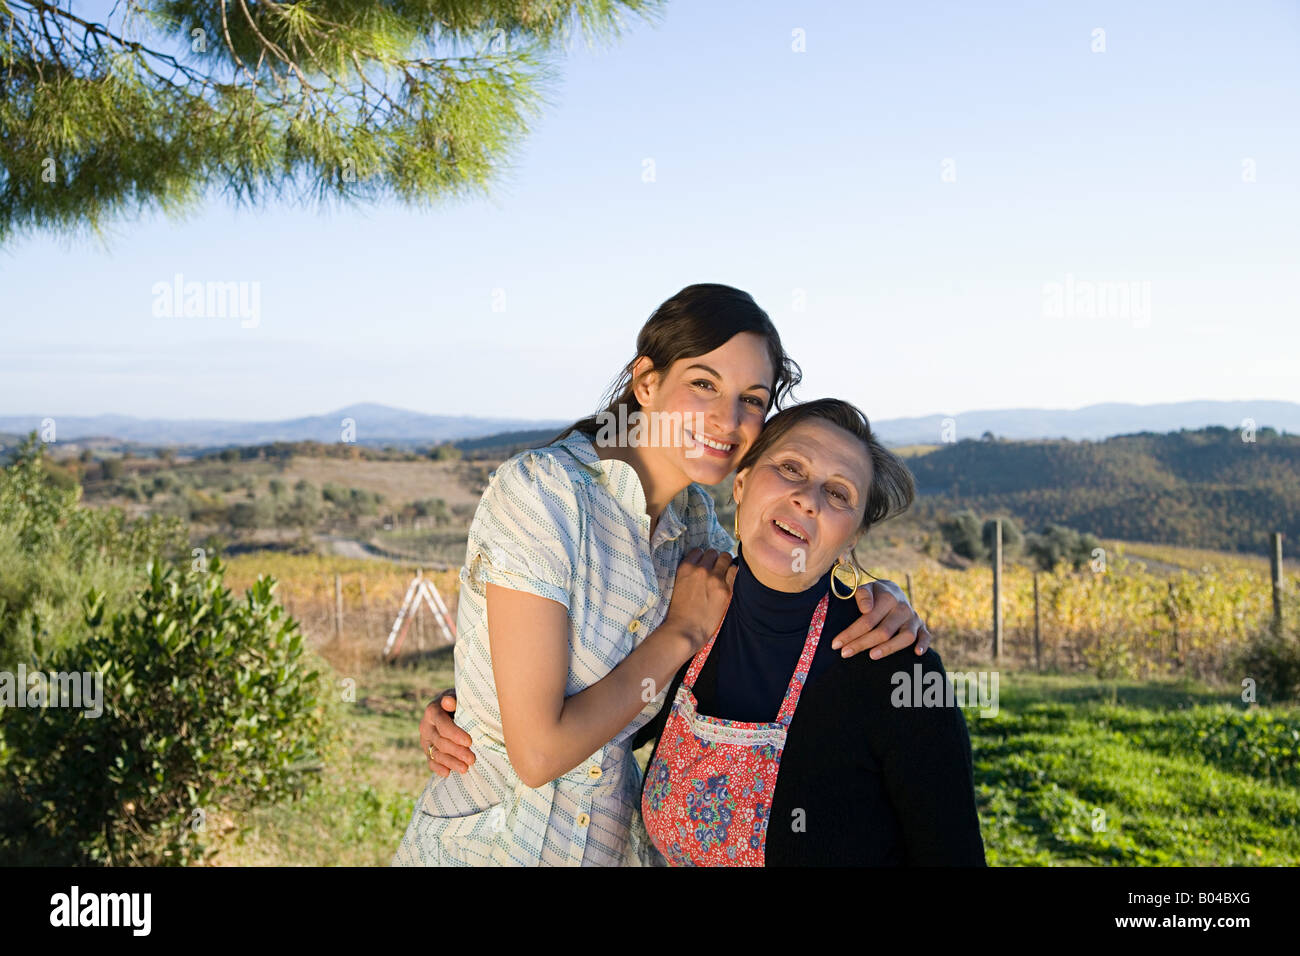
(1204,488)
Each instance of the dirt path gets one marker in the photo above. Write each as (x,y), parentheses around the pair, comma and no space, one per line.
(1157,567)
(347,547)
(352,548)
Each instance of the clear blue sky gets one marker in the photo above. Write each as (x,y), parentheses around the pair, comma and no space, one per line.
(776,171)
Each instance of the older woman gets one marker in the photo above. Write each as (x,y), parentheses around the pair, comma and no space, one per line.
(774,750)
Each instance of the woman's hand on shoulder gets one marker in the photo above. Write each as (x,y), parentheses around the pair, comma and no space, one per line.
(887,624)
(701,593)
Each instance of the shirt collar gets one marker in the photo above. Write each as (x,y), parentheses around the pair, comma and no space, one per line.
(625,485)
(671,523)
(580,446)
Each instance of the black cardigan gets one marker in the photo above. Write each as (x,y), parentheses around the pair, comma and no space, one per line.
(877,785)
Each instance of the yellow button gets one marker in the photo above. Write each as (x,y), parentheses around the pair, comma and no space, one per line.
(634,626)
(594,772)
(583,819)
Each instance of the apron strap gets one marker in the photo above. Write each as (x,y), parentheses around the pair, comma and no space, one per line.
(697,663)
(797,679)
(795,687)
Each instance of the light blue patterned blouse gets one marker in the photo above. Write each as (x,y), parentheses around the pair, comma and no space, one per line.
(561,523)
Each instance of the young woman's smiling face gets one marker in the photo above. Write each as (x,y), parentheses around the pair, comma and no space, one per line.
(722,397)
(800,507)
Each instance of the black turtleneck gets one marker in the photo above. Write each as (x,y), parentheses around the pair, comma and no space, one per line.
(861,782)
(761,639)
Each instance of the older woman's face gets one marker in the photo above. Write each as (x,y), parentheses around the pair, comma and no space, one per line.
(800,506)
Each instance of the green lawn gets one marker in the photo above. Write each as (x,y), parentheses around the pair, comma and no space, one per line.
(1073,772)
(1070,772)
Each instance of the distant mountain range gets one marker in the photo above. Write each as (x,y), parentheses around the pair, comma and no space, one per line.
(374,425)
(1092,422)
(383,425)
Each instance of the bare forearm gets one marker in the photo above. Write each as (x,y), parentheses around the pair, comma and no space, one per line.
(592,717)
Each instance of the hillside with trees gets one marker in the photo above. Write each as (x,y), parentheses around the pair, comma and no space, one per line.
(1206,488)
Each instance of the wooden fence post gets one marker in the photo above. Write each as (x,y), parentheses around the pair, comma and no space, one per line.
(338,605)
(1275,565)
(1038,630)
(1172,605)
(997,588)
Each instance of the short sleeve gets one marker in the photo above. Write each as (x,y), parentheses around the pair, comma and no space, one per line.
(526,530)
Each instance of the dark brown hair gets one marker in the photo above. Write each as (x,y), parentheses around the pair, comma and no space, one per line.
(892,487)
(697,320)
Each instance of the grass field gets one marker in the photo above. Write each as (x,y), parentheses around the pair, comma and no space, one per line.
(1070,772)
(1076,772)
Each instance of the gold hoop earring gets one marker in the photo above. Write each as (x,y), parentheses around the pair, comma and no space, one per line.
(735,525)
(835,575)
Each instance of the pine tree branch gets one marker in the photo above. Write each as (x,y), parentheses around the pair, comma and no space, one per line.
(98,118)
(96,31)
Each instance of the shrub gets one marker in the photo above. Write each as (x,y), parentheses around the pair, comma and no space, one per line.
(335,493)
(258,513)
(1057,544)
(208,703)
(1011,537)
(362,502)
(964,535)
(303,512)
(204,508)
(1272,661)
(52,549)
(132,489)
(435,508)
(445,452)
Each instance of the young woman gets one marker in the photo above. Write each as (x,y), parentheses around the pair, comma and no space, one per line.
(573,556)
(775,752)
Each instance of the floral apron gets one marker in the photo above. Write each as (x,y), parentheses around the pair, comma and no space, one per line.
(708,792)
